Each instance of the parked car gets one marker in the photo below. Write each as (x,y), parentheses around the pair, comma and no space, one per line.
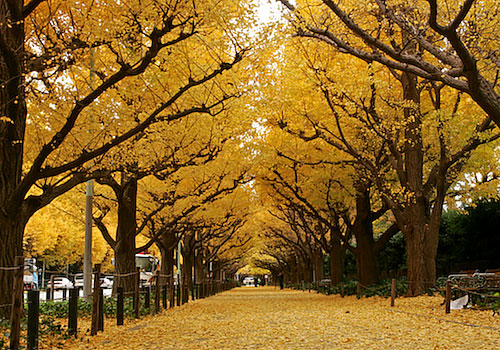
(111,279)
(249,281)
(106,281)
(62,283)
(79,280)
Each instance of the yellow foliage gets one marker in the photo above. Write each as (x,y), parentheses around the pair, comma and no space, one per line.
(56,233)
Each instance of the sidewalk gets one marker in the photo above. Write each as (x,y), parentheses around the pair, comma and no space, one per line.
(267,318)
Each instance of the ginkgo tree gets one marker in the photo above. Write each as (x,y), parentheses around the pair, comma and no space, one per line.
(169,202)
(322,184)
(57,120)
(208,237)
(403,132)
(159,159)
(337,225)
(330,202)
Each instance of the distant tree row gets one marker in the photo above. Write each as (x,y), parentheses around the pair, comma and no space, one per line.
(380,110)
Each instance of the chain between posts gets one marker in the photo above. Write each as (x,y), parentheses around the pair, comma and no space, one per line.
(12,268)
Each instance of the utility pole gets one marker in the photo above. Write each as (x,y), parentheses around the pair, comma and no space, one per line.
(89,196)
(87,256)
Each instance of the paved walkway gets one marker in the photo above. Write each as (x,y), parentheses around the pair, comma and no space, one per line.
(267,318)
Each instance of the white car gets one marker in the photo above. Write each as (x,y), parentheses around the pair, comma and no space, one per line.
(106,282)
(249,281)
(79,280)
(62,283)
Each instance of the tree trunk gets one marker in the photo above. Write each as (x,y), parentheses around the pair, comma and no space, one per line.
(415,261)
(417,211)
(200,273)
(12,129)
(318,265)
(217,271)
(125,248)
(167,247)
(337,254)
(125,264)
(10,246)
(287,275)
(304,269)
(367,262)
(421,247)
(366,256)
(187,272)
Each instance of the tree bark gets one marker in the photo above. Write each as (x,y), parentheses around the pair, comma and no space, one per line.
(337,255)
(318,265)
(415,216)
(287,275)
(166,244)
(304,269)
(366,256)
(11,245)
(125,248)
(12,129)
(366,259)
(200,273)
(294,275)
(187,271)
(421,249)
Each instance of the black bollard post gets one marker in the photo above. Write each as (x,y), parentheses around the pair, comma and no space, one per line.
(100,326)
(33,318)
(119,306)
(147,297)
(95,300)
(73,311)
(52,289)
(448,297)
(393,291)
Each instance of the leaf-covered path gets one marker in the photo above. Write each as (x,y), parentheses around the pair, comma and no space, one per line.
(267,318)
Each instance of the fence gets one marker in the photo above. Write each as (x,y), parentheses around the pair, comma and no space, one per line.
(165,292)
